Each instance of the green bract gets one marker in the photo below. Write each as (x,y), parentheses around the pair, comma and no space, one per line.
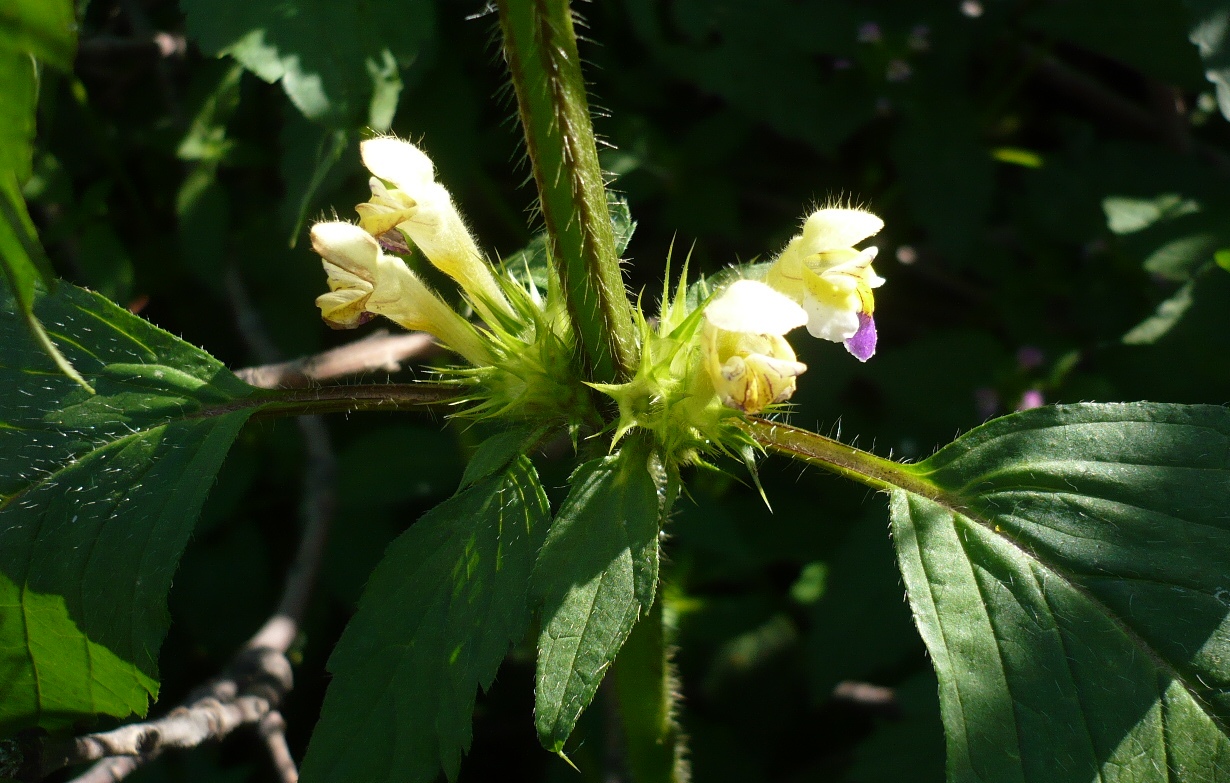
(1053,588)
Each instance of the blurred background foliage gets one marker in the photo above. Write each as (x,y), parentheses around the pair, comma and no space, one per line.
(1053,175)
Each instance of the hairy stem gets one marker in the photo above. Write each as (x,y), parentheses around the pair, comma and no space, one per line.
(876,472)
(647,689)
(540,46)
(343,399)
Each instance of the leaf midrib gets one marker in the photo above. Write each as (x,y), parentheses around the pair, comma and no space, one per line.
(962,509)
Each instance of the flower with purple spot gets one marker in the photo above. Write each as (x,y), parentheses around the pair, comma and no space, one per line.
(822,271)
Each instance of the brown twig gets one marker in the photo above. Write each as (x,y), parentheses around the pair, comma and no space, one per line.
(249,691)
(1097,99)
(273,730)
(377,351)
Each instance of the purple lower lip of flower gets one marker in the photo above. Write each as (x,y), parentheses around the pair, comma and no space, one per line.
(863,344)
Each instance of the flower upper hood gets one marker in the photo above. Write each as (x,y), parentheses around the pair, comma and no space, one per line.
(822,271)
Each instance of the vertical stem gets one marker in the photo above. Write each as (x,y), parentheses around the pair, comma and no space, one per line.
(540,46)
(647,688)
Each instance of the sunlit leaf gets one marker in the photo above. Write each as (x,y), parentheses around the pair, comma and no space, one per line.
(596,575)
(98,495)
(1211,35)
(438,616)
(339,62)
(1067,568)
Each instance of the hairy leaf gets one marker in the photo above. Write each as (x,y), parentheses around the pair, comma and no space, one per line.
(98,494)
(1068,570)
(596,575)
(436,620)
(339,62)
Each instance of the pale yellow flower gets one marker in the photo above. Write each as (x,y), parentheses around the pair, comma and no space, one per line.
(423,211)
(832,281)
(364,282)
(743,347)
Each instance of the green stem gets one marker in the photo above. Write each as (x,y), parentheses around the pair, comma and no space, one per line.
(647,687)
(338,399)
(876,472)
(540,46)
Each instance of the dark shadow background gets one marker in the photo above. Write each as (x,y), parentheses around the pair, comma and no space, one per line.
(1050,174)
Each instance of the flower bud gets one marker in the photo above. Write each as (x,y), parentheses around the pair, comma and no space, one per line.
(745,355)
(821,270)
(423,211)
(364,282)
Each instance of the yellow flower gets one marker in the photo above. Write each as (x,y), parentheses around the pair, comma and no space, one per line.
(744,351)
(364,282)
(821,270)
(423,211)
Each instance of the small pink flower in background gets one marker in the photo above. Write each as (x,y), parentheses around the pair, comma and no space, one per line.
(1031,399)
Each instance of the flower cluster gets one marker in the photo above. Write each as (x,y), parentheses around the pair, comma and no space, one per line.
(716,355)
(819,280)
(712,356)
(520,354)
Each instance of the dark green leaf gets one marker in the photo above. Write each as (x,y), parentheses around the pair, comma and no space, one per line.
(906,748)
(763,59)
(647,687)
(596,576)
(19,86)
(436,620)
(1149,35)
(1211,35)
(46,29)
(1067,568)
(309,157)
(22,261)
(338,62)
(947,172)
(531,263)
(98,495)
(1163,319)
(859,627)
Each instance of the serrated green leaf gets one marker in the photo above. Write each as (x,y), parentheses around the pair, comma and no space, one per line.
(338,62)
(596,576)
(98,495)
(1068,570)
(621,220)
(1211,35)
(499,450)
(438,616)
(46,29)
